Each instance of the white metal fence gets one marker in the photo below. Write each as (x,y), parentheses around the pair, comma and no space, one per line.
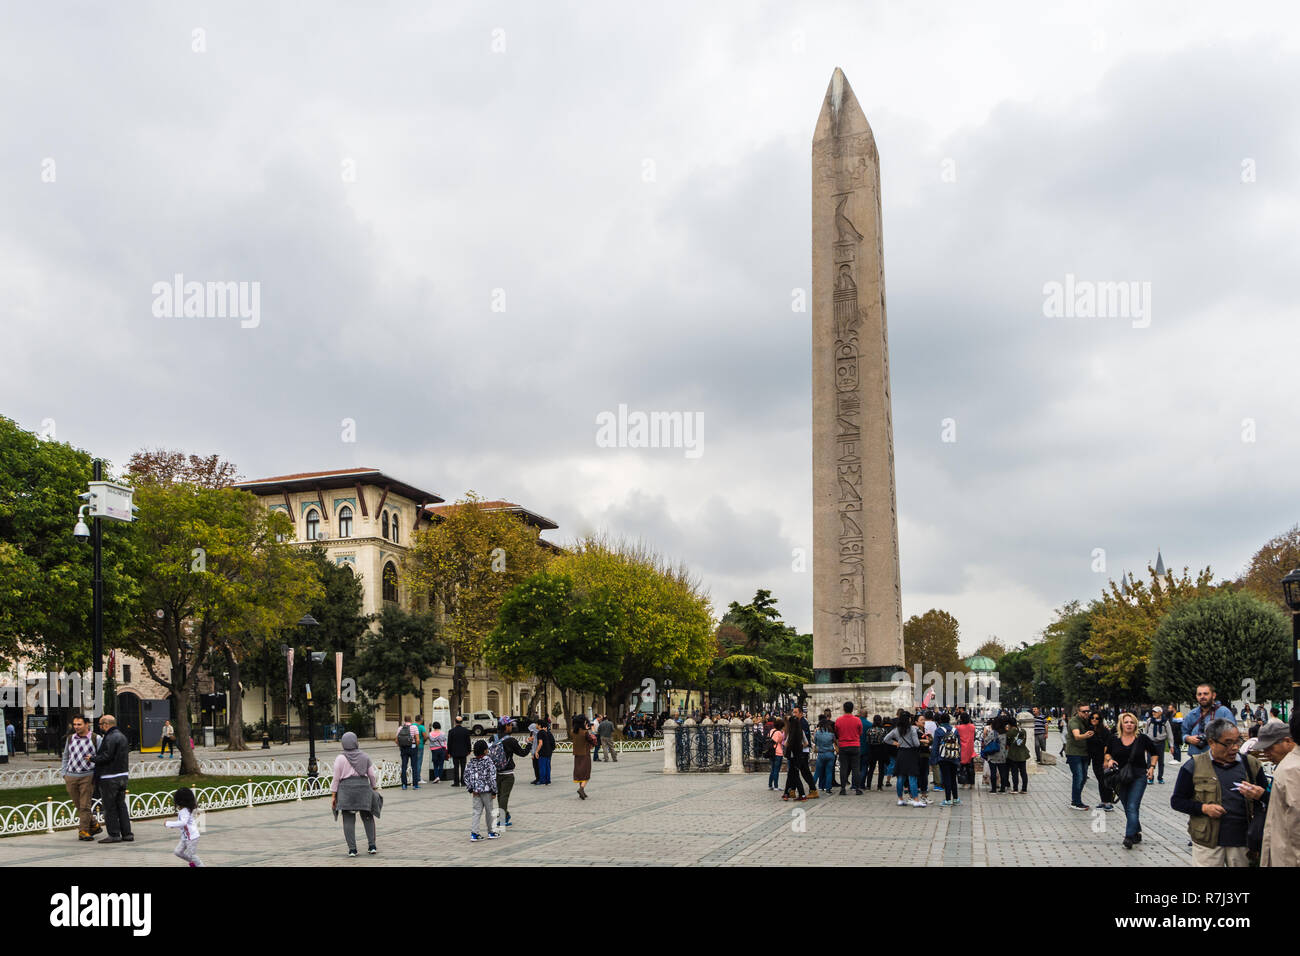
(62,814)
(257,767)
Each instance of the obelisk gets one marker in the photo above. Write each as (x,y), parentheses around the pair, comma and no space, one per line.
(857,599)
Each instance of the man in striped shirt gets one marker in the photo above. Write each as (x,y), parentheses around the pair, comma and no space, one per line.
(1040,734)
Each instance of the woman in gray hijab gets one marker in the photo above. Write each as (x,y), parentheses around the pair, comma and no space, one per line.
(356,790)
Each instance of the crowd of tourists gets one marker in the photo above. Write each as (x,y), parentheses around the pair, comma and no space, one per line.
(1238,811)
(1239,786)
(908,751)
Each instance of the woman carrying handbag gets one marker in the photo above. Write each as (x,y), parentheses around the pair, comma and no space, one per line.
(1130,765)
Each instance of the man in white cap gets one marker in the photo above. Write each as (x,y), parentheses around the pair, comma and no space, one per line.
(1282,825)
(1158,729)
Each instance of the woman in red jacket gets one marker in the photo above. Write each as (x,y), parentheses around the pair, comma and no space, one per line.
(966,731)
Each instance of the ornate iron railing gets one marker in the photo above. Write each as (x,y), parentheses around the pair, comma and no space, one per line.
(703,748)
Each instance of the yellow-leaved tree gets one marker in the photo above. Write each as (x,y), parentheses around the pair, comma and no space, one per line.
(466,563)
(1118,649)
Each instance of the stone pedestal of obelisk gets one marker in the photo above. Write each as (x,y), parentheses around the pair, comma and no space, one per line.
(857,613)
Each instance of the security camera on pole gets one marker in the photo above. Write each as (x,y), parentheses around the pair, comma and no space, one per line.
(105,499)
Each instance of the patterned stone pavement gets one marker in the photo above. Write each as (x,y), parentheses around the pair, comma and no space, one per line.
(637,815)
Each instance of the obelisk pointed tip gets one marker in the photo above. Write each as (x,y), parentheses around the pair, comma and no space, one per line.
(840,113)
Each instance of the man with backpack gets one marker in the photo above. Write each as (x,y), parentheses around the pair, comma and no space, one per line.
(945,749)
(503,751)
(408,742)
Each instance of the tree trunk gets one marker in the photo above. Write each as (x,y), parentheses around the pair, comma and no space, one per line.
(235,719)
(189,762)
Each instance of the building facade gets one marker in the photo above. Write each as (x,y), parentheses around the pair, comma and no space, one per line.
(366,522)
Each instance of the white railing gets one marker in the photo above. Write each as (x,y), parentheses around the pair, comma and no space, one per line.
(256,767)
(62,814)
(645,746)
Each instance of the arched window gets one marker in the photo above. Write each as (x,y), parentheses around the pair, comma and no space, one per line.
(390,582)
(313,524)
(347,566)
(383,525)
(395,536)
(345,522)
(494,702)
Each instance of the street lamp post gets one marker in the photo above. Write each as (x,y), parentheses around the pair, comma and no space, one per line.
(1291,588)
(288,693)
(308,621)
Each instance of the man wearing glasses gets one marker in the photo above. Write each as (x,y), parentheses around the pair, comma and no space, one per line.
(1077,734)
(1220,791)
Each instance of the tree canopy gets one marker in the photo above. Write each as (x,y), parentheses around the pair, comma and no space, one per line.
(45,573)
(1239,642)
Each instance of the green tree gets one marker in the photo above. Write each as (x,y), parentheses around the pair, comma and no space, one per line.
(404,652)
(666,622)
(758,656)
(1028,678)
(1068,634)
(1118,648)
(214,566)
(931,639)
(550,628)
(759,620)
(1239,642)
(468,561)
(992,649)
(341,623)
(45,573)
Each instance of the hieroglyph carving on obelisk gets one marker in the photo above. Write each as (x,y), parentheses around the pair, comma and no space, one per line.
(856,591)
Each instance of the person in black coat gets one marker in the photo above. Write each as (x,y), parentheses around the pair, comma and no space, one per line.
(1097,755)
(111,774)
(458,748)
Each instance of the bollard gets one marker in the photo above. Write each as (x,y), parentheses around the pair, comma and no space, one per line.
(250,794)
(738,729)
(49,814)
(670,746)
(297,787)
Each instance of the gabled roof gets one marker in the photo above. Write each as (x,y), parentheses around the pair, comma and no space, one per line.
(338,478)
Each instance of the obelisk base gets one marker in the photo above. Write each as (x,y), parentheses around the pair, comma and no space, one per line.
(875,697)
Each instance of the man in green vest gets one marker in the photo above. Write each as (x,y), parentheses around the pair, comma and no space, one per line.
(1221,792)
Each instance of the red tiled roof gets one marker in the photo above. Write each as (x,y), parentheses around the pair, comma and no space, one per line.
(531,517)
(312,474)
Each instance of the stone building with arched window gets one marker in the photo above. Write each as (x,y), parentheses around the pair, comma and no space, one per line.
(366,521)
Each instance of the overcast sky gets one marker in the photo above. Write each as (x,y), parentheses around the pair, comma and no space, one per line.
(632,187)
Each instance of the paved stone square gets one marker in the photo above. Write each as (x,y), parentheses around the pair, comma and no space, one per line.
(637,815)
